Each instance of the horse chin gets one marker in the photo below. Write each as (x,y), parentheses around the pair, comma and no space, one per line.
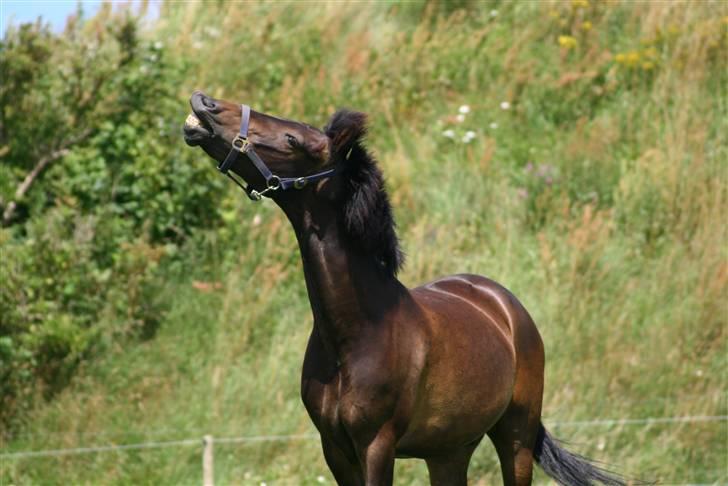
(194,138)
(200,137)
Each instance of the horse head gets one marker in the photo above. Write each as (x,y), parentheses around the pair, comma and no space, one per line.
(284,153)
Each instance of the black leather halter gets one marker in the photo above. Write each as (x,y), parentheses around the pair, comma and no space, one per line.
(241,144)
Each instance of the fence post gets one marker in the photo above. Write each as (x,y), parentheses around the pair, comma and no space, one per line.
(207,462)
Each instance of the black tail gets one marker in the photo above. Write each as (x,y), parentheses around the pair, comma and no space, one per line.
(566,468)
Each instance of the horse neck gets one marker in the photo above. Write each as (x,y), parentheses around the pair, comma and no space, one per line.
(347,289)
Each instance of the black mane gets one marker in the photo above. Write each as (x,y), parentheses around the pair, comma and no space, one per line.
(366,213)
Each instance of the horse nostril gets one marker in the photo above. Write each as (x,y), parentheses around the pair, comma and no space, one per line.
(208,102)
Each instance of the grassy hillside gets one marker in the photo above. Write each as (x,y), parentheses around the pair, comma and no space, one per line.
(593,186)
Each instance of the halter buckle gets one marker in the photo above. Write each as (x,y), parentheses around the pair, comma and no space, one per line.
(241,144)
(299,183)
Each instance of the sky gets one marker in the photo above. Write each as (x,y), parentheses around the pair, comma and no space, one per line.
(54,12)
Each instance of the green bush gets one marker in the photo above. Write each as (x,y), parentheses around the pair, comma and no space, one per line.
(91,118)
(58,299)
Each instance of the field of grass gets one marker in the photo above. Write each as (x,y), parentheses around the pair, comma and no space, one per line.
(593,186)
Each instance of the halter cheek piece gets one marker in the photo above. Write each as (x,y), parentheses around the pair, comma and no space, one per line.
(273,183)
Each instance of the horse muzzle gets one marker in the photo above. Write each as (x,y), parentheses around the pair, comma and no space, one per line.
(198,125)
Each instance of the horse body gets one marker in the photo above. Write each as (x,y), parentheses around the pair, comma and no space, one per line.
(389,372)
(436,372)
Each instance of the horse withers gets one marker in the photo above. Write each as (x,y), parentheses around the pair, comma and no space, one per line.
(389,371)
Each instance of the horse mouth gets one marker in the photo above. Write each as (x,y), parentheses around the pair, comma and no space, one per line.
(196,130)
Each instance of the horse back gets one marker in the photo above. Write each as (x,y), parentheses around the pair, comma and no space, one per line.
(486,300)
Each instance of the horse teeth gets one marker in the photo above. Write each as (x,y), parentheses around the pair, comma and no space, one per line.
(192,120)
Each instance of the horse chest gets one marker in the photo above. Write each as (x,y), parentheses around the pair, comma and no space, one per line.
(342,405)
(321,400)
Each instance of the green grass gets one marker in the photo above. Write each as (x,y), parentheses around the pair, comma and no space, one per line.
(620,256)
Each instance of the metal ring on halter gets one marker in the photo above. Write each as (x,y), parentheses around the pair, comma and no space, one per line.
(273,183)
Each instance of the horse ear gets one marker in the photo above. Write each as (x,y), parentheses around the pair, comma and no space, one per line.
(345,130)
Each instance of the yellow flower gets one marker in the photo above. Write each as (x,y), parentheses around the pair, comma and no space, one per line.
(650,52)
(567,41)
(580,3)
(628,59)
(586,25)
(648,65)
(633,57)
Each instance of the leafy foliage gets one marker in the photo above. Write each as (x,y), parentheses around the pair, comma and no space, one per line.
(89,127)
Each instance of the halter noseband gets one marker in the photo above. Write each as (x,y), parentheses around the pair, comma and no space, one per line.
(241,144)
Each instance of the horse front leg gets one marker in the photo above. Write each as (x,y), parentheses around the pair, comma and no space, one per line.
(345,467)
(377,458)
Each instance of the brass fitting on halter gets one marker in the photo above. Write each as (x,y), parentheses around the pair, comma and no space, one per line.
(274,183)
(241,144)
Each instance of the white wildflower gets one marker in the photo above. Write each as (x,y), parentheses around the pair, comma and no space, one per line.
(257,220)
(197,45)
(464,109)
(460,118)
(320,479)
(699,373)
(505,105)
(158,45)
(601,444)
(494,13)
(493,125)
(212,32)
(448,134)
(469,136)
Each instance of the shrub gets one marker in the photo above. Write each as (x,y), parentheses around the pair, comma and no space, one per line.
(94,189)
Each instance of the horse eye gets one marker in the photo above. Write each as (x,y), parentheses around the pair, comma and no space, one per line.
(292,141)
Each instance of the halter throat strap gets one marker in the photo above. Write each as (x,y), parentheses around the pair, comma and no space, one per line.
(241,145)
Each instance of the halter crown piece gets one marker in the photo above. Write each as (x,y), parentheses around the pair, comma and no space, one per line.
(273,183)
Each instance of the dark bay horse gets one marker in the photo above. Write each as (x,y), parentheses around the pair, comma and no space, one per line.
(389,371)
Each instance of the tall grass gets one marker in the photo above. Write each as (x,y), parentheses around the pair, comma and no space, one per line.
(595,189)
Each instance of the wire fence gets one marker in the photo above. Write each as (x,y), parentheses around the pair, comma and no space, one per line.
(207,441)
(292,437)
(717,399)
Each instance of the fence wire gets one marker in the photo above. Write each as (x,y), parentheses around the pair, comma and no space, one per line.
(165,431)
(292,437)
